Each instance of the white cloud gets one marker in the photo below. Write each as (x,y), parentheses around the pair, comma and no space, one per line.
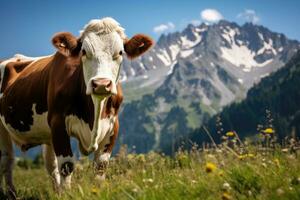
(211,15)
(195,22)
(164,27)
(249,16)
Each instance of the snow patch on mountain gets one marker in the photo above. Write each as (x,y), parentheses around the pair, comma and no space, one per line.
(186,53)
(171,68)
(242,56)
(132,72)
(188,43)
(142,65)
(174,48)
(267,47)
(260,35)
(164,57)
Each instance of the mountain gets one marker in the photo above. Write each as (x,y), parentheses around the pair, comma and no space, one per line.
(193,75)
(277,93)
(251,48)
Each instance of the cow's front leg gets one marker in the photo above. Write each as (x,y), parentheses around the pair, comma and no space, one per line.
(101,161)
(63,151)
(103,153)
(51,166)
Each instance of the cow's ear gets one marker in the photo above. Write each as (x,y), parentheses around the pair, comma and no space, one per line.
(137,45)
(66,43)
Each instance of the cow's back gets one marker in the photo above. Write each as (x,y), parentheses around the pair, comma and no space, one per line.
(23,102)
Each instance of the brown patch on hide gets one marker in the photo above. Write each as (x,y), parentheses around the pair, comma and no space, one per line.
(12,71)
(113,103)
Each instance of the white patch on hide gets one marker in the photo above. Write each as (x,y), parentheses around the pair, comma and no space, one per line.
(79,129)
(86,137)
(39,132)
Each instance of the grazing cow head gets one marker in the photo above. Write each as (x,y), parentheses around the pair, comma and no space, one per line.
(101,46)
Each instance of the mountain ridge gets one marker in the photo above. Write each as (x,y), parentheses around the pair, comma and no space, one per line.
(210,66)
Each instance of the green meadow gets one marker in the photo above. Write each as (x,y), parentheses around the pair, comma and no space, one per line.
(197,174)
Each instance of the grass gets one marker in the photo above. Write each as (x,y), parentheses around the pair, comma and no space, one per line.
(193,175)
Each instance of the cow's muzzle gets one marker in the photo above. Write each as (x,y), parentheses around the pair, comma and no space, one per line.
(102,86)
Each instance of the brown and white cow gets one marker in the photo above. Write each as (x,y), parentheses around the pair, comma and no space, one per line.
(73,93)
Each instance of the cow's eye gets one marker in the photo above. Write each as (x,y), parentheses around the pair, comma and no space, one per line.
(83,52)
(116,56)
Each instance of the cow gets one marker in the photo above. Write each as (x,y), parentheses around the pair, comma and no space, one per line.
(73,93)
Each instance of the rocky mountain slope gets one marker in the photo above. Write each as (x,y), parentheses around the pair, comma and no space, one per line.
(195,73)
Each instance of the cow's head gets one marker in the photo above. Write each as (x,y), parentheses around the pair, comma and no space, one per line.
(102,45)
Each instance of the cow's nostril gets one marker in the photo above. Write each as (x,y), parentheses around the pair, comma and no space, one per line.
(94,85)
(109,84)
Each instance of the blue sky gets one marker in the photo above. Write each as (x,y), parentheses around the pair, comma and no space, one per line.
(27,26)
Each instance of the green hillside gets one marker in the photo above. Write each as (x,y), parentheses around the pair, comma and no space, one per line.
(277,94)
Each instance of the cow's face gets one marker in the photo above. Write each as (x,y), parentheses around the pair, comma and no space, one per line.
(102,58)
(102,45)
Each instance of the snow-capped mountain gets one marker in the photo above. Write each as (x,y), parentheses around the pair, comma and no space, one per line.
(250,48)
(196,73)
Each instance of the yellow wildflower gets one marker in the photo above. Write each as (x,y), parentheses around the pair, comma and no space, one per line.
(250,155)
(276,161)
(242,157)
(226,196)
(230,134)
(94,190)
(210,167)
(269,131)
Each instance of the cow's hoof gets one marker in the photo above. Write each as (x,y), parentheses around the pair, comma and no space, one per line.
(12,195)
(67,168)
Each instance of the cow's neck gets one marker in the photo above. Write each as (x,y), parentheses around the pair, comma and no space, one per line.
(89,113)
